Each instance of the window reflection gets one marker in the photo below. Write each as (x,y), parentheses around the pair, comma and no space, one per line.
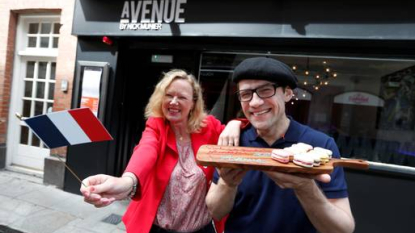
(26,108)
(24,135)
(28,89)
(55,42)
(30,70)
(40,90)
(43,35)
(51,90)
(366,105)
(52,71)
(45,28)
(33,28)
(38,108)
(44,42)
(35,141)
(31,42)
(56,28)
(42,70)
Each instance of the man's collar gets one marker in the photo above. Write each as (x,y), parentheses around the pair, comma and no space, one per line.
(291,135)
(252,135)
(293,131)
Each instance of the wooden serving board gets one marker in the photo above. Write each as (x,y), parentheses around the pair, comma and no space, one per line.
(252,158)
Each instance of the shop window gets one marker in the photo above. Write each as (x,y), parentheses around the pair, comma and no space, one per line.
(366,104)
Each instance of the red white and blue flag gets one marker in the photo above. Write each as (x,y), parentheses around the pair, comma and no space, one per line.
(66,128)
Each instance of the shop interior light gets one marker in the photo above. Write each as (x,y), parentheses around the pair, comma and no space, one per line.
(107,40)
(317,76)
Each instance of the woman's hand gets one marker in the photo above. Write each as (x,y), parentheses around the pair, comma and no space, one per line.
(230,135)
(102,190)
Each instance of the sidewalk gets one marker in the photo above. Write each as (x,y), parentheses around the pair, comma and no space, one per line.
(29,206)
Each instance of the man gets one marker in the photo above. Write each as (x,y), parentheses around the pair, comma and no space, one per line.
(258,201)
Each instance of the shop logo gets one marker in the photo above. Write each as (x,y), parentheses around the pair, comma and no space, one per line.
(358,98)
(151,14)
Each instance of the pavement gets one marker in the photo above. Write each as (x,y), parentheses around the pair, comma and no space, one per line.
(29,206)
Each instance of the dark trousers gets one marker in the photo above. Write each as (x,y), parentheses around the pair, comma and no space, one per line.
(206,229)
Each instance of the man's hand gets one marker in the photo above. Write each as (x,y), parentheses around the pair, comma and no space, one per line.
(296,181)
(221,196)
(231,177)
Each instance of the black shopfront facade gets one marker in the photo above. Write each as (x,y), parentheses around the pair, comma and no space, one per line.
(355,63)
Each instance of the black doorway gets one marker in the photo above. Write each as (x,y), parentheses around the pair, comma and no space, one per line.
(139,72)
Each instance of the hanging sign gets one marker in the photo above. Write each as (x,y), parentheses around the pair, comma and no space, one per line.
(150,15)
(359,98)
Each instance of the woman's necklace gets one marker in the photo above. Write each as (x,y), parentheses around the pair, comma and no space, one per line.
(181,138)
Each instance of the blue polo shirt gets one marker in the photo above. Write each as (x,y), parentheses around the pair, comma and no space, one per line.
(261,206)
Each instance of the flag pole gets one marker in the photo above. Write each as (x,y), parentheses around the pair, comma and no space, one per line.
(20,117)
(73,173)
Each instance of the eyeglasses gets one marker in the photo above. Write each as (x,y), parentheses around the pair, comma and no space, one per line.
(263,92)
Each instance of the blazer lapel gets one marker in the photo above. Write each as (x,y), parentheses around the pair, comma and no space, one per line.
(171,139)
(197,141)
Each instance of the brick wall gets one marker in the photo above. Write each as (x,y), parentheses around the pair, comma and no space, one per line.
(9,11)
(6,67)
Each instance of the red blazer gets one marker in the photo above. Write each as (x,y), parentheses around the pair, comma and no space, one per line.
(153,161)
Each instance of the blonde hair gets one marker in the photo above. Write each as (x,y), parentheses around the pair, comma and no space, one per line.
(196,115)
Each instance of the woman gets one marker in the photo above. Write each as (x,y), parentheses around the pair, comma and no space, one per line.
(167,187)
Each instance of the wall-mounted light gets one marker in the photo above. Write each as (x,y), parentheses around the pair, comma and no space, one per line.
(64,85)
(157,58)
(107,40)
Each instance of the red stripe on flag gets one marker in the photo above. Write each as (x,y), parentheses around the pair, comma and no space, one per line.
(90,124)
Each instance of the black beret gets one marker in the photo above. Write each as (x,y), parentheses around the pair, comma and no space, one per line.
(264,68)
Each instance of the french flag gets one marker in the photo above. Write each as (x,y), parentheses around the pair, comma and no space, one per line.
(66,128)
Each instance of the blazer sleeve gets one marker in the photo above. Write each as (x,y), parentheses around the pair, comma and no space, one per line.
(219,127)
(216,126)
(244,122)
(145,154)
